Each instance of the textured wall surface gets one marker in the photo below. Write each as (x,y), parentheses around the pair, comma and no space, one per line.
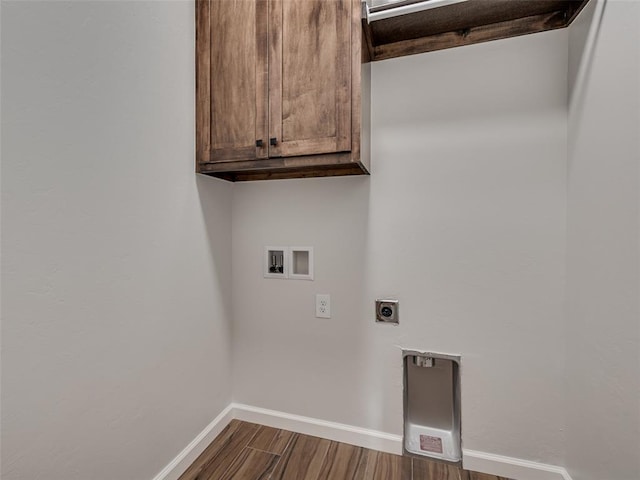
(115,259)
(603,314)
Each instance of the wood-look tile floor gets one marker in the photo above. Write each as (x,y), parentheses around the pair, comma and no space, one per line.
(246,451)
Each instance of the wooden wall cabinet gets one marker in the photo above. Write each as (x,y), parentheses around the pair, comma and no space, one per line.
(282,89)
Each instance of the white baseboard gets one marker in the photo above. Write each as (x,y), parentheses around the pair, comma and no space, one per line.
(188,455)
(362,437)
(509,467)
(338,432)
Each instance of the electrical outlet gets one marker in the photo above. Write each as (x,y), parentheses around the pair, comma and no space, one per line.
(323,306)
(387,311)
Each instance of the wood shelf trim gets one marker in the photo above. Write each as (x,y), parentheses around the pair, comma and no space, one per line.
(334,159)
(486,21)
(281,174)
(484,33)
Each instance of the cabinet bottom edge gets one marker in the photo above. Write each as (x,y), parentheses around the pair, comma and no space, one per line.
(285,173)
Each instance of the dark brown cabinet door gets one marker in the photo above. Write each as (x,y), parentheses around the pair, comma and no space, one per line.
(239,80)
(280,86)
(309,77)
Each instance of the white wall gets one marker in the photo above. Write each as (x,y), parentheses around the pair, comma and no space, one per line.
(603,314)
(463,220)
(115,259)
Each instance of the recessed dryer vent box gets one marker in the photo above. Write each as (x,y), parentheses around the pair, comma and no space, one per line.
(432,406)
(275,262)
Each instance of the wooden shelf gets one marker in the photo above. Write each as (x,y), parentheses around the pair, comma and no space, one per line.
(466,23)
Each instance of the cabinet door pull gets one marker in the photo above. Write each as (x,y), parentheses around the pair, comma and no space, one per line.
(273,141)
(259,143)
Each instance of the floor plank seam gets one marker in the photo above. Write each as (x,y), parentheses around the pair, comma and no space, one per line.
(253,436)
(286,447)
(263,451)
(324,457)
(275,466)
(280,457)
(224,472)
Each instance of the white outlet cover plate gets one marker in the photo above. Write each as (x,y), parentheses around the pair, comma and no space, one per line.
(323,305)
